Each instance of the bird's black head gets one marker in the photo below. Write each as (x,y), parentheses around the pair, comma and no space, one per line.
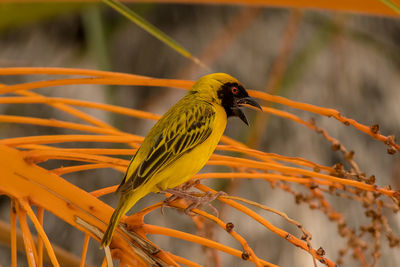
(232,96)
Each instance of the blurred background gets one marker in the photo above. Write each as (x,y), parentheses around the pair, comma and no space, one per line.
(349,62)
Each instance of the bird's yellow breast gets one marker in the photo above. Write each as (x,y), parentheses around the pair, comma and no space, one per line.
(192,162)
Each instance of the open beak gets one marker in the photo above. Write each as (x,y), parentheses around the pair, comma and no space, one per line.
(238,112)
(248,100)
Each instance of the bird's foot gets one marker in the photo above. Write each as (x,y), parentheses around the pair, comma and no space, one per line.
(178,192)
(167,201)
(196,201)
(204,200)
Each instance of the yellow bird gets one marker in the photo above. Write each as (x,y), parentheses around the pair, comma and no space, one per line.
(181,142)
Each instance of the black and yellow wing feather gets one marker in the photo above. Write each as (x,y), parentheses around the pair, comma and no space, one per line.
(176,135)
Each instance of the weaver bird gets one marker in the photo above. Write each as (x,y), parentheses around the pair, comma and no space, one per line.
(181,142)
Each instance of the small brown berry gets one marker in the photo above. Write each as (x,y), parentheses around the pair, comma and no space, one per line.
(338,167)
(396,195)
(320,252)
(375,128)
(339,170)
(298,198)
(371,179)
(245,255)
(391,150)
(229,227)
(335,147)
(313,186)
(370,214)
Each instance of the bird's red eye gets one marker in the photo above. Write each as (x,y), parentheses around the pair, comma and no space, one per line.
(235,90)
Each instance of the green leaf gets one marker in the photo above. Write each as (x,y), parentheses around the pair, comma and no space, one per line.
(392,5)
(147,26)
(20,14)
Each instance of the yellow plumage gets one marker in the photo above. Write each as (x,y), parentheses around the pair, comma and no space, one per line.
(181,142)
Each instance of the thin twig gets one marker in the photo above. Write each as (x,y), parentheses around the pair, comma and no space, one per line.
(40,231)
(306,235)
(84,250)
(13,232)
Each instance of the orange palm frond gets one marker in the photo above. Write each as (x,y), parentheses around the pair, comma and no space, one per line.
(28,184)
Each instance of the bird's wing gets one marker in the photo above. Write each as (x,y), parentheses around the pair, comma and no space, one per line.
(182,132)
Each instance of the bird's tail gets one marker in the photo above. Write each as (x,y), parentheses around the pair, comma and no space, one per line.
(125,203)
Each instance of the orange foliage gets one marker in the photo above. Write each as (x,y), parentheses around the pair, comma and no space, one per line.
(28,185)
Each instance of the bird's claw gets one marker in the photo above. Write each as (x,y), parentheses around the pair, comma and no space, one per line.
(167,201)
(196,201)
(204,200)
